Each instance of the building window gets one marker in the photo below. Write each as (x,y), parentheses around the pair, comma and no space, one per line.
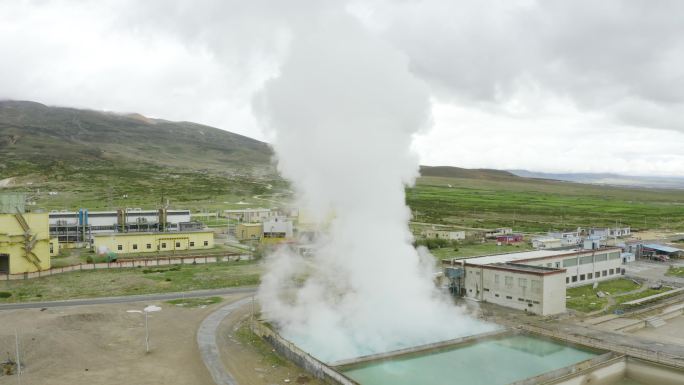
(521,299)
(574,278)
(163,245)
(206,243)
(605,272)
(612,271)
(557,265)
(496,295)
(149,245)
(509,297)
(177,244)
(535,302)
(496,280)
(581,277)
(601,258)
(135,247)
(590,276)
(597,274)
(485,289)
(570,262)
(587,260)
(567,280)
(192,244)
(119,247)
(522,282)
(509,282)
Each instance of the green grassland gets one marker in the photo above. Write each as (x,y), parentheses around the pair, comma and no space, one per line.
(675,271)
(117,282)
(584,299)
(534,205)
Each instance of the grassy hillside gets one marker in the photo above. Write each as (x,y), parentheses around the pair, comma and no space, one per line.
(540,205)
(96,159)
(104,160)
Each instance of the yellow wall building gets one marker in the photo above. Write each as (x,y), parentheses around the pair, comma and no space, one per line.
(125,243)
(249,231)
(24,243)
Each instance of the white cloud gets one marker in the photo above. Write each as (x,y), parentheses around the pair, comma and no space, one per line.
(524,74)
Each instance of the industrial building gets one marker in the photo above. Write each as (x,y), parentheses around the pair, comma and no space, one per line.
(498,232)
(443,234)
(531,280)
(80,226)
(537,289)
(546,242)
(249,215)
(276,230)
(509,238)
(24,242)
(248,231)
(654,250)
(140,242)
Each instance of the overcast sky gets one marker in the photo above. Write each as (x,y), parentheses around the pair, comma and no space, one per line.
(557,86)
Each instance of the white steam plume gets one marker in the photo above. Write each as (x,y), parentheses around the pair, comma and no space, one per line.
(343,111)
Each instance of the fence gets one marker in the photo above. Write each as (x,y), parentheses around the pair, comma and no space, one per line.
(646,354)
(129,263)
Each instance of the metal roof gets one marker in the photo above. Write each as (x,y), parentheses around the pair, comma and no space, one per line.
(664,249)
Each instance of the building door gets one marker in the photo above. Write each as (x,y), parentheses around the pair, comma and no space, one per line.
(4,264)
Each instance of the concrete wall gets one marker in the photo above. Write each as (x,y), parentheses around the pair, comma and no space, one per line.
(303,359)
(123,243)
(612,371)
(12,242)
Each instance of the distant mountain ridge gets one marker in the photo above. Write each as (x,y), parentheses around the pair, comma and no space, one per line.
(467,173)
(607,179)
(33,136)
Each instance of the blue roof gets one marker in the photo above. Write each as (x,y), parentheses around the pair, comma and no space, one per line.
(664,249)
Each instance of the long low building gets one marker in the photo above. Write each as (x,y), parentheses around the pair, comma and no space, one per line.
(534,281)
(126,243)
(81,225)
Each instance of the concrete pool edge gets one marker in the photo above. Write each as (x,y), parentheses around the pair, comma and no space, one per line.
(421,348)
(607,360)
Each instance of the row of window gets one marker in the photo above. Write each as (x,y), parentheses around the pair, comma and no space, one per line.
(522,282)
(148,246)
(588,259)
(598,274)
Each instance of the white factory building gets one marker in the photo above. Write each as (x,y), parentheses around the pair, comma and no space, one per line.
(443,234)
(534,281)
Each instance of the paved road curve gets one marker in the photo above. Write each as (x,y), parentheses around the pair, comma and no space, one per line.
(129,298)
(206,340)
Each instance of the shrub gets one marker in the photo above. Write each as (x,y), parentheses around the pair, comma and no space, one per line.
(89,259)
(5,294)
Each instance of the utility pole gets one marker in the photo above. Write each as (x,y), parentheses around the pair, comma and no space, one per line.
(16,342)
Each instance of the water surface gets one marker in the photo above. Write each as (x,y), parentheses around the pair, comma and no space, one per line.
(488,362)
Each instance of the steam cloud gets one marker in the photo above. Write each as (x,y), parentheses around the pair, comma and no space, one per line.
(343,111)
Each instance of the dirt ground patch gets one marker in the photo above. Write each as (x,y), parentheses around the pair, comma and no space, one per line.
(103,344)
